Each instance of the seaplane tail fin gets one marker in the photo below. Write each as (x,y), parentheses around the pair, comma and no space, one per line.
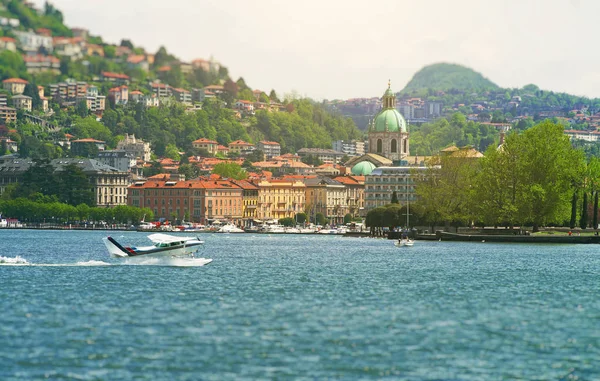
(114,248)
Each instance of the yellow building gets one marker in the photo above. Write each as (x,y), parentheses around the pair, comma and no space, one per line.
(280,198)
(250,201)
(328,197)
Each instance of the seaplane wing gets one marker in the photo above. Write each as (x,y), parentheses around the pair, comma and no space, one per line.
(165,238)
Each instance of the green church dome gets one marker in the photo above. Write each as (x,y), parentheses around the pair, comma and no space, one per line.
(389,120)
(363,168)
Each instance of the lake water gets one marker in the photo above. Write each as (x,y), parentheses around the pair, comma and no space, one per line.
(299,307)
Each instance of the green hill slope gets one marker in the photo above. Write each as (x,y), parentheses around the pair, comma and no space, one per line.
(444,76)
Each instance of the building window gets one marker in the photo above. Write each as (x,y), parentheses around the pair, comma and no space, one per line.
(394,146)
(379,145)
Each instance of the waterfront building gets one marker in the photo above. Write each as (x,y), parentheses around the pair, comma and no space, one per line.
(383,181)
(388,132)
(328,197)
(280,198)
(201,201)
(250,201)
(355,193)
(109,184)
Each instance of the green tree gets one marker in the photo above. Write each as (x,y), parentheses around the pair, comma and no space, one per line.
(395,198)
(320,219)
(230,170)
(301,218)
(583,221)
(287,221)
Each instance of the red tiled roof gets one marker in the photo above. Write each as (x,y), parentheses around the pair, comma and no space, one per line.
(109,74)
(266,142)
(159,85)
(136,59)
(136,92)
(15,80)
(8,39)
(40,58)
(239,143)
(204,140)
(164,68)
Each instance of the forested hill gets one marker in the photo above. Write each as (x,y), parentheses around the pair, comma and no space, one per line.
(444,76)
(169,127)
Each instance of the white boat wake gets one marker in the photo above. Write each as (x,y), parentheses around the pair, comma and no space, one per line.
(174,262)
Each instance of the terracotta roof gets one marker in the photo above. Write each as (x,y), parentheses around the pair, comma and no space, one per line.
(136,59)
(8,39)
(159,85)
(15,80)
(204,140)
(109,74)
(266,142)
(40,58)
(88,140)
(239,143)
(136,92)
(164,68)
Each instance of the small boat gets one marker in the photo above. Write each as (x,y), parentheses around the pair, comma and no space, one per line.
(292,230)
(230,228)
(165,246)
(405,242)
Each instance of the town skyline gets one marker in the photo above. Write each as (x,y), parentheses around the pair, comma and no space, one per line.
(318,42)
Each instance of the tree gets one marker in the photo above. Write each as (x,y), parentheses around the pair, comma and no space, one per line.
(320,219)
(256,155)
(287,221)
(127,43)
(573,210)
(347,218)
(583,221)
(394,198)
(301,218)
(595,216)
(230,170)
(82,109)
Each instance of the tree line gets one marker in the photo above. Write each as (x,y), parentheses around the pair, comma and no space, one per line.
(536,178)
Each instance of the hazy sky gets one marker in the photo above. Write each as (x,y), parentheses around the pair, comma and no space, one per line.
(349,48)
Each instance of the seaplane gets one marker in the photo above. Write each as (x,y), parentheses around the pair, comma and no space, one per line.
(164,246)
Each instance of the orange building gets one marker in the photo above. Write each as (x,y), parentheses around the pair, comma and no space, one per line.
(201,201)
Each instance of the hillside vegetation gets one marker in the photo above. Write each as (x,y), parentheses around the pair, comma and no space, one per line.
(444,76)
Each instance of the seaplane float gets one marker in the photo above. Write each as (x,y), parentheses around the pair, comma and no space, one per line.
(164,246)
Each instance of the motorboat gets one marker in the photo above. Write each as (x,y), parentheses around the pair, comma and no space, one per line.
(328,231)
(230,228)
(164,246)
(307,230)
(292,230)
(405,242)
(274,229)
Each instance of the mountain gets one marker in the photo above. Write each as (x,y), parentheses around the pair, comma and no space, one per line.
(445,76)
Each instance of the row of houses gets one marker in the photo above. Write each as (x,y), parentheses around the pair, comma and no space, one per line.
(246,202)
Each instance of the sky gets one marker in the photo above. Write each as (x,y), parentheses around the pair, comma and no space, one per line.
(339,49)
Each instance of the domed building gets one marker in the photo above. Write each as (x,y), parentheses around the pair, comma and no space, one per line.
(388,132)
(363,168)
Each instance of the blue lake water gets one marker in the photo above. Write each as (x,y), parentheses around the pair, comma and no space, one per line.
(299,307)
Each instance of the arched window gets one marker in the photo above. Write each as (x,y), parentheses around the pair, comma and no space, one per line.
(405,145)
(379,146)
(394,146)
